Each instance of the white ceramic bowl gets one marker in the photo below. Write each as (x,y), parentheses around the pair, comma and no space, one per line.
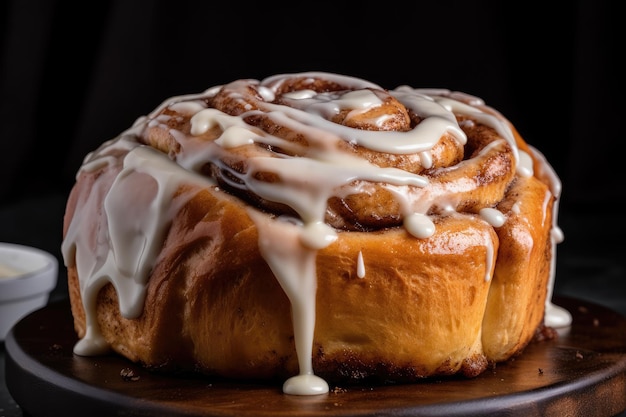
(27,276)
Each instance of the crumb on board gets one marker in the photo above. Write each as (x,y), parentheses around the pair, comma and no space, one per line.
(128,374)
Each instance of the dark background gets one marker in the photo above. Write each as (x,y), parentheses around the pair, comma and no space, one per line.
(74,74)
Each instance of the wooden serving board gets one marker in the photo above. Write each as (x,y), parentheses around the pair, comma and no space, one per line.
(581,373)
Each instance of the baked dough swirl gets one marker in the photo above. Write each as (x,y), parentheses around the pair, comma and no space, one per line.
(315,227)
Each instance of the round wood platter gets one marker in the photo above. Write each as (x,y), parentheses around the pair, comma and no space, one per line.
(580,373)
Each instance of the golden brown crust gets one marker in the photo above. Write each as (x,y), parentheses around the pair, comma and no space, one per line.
(522,271)
(213,304)
(469,295)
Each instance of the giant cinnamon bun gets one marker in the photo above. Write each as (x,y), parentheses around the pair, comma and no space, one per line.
(314,228)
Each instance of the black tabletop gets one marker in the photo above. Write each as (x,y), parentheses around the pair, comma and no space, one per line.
(591,261)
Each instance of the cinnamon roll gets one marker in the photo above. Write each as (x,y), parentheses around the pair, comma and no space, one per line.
(313,228)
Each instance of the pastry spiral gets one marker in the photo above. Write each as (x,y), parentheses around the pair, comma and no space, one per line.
(315,227)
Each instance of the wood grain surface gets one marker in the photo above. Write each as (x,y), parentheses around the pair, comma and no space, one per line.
(581,373)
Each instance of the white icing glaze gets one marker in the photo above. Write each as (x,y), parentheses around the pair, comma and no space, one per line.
(492,216)
(419,225)
(360,266)
(293,265)
(134,234)
(135,230)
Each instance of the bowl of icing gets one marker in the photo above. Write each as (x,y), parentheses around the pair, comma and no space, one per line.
(27,277)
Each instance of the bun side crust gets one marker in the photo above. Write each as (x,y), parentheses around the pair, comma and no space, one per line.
(266,229)
(213,304)
(517,298)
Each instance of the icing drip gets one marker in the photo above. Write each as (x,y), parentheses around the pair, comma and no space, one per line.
(492,216)
(360,266)
(293,264)
(135,231)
